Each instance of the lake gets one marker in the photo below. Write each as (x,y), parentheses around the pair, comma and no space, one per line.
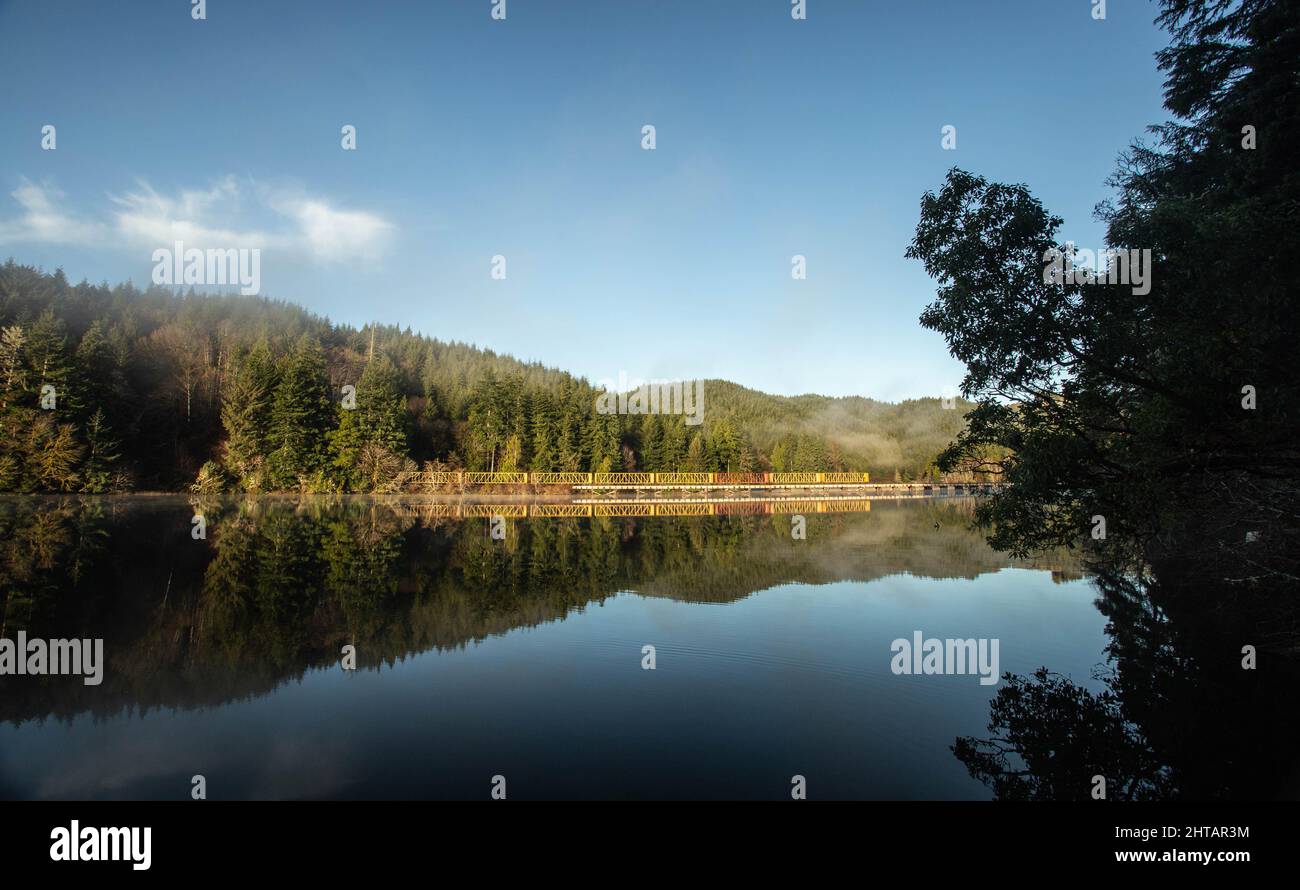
(517,651)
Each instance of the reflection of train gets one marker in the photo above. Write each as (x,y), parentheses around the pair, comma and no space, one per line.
(636,480)
(735,507)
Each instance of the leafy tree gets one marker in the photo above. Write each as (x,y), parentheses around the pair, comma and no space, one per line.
(1126,401)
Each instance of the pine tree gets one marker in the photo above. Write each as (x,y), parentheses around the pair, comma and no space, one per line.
(781,458)
(511,454)
(101,455)
(246,415)
(651,444)
(544,433)
(748,462)
(373,433)
(13,365)
(53,455)
(381,406)
(488,423)
(48,361)
(301,415)
(95,376)
(570,444)
(725,446)
(674,445)
(697,458)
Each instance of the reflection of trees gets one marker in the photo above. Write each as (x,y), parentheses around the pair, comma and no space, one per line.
(1179,716)
(45,553)
(1051,737)
(278,587)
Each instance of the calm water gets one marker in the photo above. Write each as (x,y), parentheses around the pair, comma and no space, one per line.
(519,657)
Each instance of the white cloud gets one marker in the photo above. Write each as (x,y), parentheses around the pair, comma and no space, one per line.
(218,216)
(42,221)
(148,218)
(333,234)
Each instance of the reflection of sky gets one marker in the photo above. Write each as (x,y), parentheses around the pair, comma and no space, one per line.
(794,679)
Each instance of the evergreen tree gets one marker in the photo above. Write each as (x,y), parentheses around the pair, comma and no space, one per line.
(376,429)
(95,378)
(48,362)
(725,446)
(544,433)
(13,365)
(246,410)
(697,457)
(651,444)
(302,414)
(781,458)
(673,448)
(101,455)
(381,406)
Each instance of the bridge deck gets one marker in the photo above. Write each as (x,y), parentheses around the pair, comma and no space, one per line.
(702,482)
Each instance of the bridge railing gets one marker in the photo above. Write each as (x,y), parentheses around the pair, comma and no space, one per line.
(683,478)
(496,478)
(740,478)
(845,478)
(794,478)
(628,509)
(615,480)
(622,478)
(559,510)
(560,478)
(743,508)
(697,509)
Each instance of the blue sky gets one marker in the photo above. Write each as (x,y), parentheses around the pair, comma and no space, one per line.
(522,138)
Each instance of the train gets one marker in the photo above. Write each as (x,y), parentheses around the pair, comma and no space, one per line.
(638,480)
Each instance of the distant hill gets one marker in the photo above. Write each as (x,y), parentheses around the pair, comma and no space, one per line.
(152,389)
(869,434)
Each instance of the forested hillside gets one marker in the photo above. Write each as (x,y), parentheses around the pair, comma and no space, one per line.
(108,388)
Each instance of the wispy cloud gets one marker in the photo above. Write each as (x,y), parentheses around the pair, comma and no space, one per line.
(42,221)
(216,216)
(330,233)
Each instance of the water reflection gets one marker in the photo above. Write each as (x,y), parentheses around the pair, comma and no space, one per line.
(1180,715)
(278,587)
(199,633)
